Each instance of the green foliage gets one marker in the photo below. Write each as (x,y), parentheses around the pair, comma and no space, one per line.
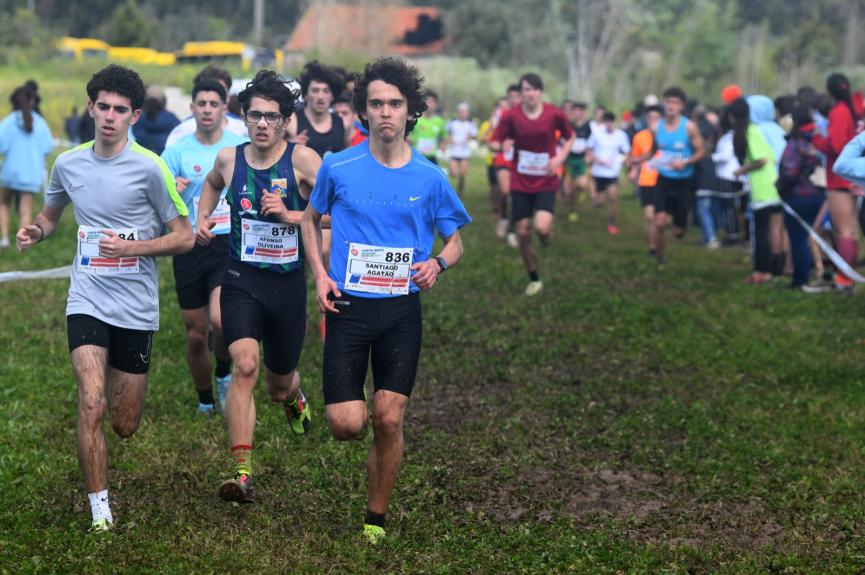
(129,25)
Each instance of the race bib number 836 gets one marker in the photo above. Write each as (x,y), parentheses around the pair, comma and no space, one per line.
(376,269)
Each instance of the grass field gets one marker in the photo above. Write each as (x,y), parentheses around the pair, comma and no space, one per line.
(629,420)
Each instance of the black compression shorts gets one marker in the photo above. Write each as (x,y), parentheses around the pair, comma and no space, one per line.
(601,184)
(128,349)
(647,195)
(673,196)
(199,272)
(266,306)
(524,204)
(387,331)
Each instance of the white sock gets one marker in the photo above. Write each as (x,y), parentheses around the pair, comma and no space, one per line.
(99,506)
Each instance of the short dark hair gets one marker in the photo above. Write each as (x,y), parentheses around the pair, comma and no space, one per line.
(209,86)
(675,92)
(269,85)
(609,117)
(398,73)
(532,80)
(343,98)
(513,88)
(432,94)
(317,72)
(654,108)
(211,72)
(581,105)
(120,80)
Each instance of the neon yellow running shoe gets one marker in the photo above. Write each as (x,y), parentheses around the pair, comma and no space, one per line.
(238,489)
(101,526)
(374,534)
(298,414)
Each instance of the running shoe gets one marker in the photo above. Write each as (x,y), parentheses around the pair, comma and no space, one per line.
(298,414)
(713,244)
(814,287)
(843,284)
(206,409)
(4,243)
(573,217)
(238,488)
(534,288)
(100,526)
(501,228)
(222,384)
(512,240)
(374,534)
(612,230)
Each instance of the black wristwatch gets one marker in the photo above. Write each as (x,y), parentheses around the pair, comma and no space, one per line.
(442,264)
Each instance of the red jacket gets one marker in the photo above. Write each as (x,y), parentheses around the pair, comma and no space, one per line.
(842,129)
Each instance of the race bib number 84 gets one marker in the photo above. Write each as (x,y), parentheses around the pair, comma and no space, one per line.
(375,269)
(266,242)
(91,262)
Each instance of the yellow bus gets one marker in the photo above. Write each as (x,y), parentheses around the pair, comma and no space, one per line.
(81,48)
(141,55)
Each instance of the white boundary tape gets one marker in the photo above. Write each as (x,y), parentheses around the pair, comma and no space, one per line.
(834,256)
(54,273)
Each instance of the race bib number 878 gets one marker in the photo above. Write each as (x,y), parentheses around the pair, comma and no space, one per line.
(376,269)
(266,242)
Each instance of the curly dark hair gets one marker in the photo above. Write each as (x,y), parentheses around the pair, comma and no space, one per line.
(269,85)
(119,80)
(398,73)
(675,92)
(318,72)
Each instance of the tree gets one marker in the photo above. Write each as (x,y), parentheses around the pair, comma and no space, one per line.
(129,25)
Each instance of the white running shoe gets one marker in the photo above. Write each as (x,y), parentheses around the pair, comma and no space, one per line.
(512,240)
(534,288)
(501,228)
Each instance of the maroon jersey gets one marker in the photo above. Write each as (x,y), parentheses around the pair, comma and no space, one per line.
(535,145)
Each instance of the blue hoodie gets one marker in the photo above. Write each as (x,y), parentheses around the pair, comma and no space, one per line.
(25,152)
(763,115)
(851,162)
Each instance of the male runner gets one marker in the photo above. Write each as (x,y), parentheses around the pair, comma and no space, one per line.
(231,123)
(122,195)
(198,274)
(642,172)
(576,181)
(263,296)
(680,145)
(342,106)
(316,126)
(460,132)
(532,126)
(385,202)
(503,162)
(428,134)
(606,151)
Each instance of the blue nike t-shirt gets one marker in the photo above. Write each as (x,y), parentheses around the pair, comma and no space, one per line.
(373,207)
(189,158)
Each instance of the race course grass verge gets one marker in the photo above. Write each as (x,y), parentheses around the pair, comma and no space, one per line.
(629,419)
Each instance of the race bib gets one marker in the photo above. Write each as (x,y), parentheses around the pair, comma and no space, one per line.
(533,163)
(374,269)
(427,146)
(268,243)
(90,262)
(221,216)
(579,146)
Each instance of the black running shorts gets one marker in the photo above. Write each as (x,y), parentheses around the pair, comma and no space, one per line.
(128,349)
(674,197)
(647,195)
(601,184)
(268,307)
(524,204)
(386,331)
(199,272)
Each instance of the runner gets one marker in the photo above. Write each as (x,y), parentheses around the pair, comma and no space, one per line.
(231,123)
(386,202)
(198,274)
(643,174)
(503,161)
(122,196)
(342,106)
(606,151)
(263,296)
(532,126)
(681,147)
(316,126)
(461,131)
(429,132)
(576,180)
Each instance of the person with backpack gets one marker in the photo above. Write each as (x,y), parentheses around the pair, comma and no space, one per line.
(794,184)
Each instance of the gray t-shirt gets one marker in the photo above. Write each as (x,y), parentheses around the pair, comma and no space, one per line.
(132,190)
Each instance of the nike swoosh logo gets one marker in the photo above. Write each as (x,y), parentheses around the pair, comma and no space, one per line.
(73,188)
(413,198)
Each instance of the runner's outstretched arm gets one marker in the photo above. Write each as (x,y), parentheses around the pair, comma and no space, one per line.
(311,229)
